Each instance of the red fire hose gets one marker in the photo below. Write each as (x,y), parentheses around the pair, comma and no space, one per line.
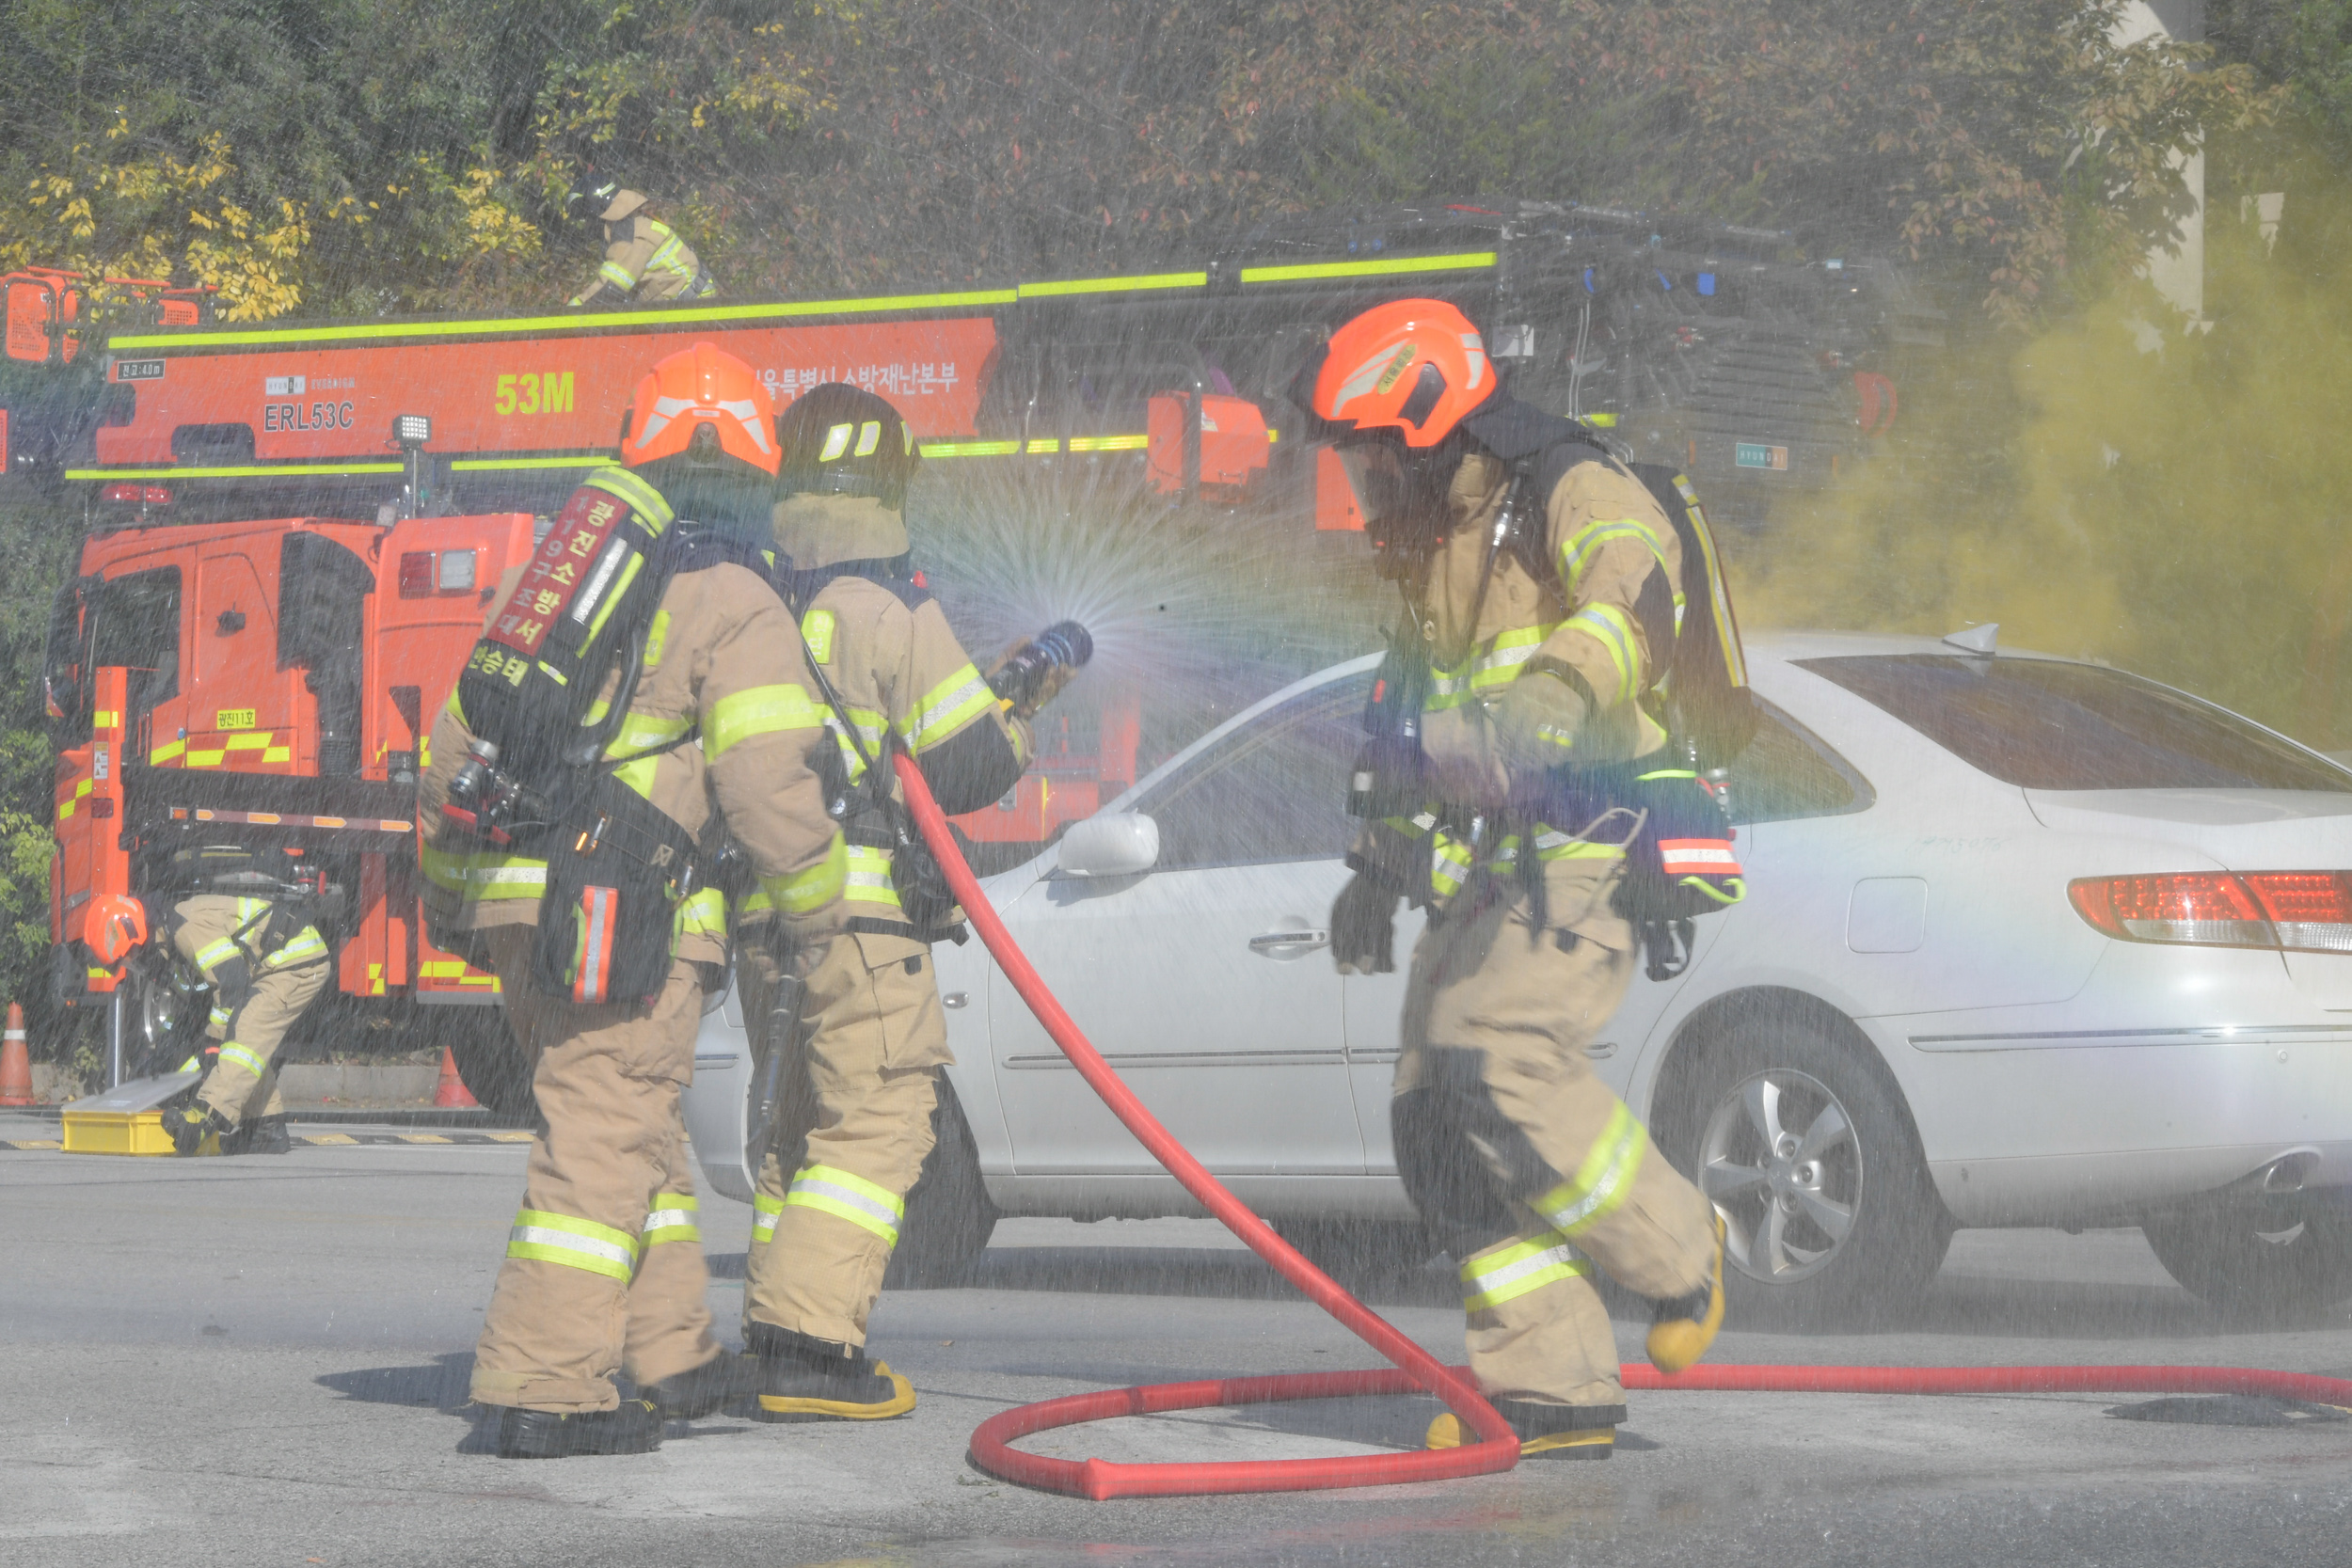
(1415,1369)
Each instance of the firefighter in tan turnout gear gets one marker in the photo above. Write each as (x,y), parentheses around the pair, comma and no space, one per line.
(1541,578)
(858,1077)
(604,1269)
(646,262)
(247,930)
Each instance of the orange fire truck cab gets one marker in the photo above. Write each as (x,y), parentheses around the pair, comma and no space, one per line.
(269,681)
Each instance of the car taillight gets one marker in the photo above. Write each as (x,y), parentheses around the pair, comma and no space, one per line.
(2311,911)
(2308,912)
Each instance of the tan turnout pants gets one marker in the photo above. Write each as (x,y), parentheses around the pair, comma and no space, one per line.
(257,996)
(604,1266)
(1533,1170)
(853,1128)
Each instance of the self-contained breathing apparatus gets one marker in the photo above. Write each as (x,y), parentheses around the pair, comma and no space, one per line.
(1679,863)
(539,778)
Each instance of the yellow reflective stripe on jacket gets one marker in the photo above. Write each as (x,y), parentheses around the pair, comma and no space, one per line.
(667,255)
(764,1212)
(1608,626)
(1553,844)
(301,947)
(1493,664)
(946,708)
(1492,1278)
(444,870)
(644,732)
(238,1054)
(672,1219)
(869,881)
(646,500)
(1416,826)
(573,1243)
(703,913)
(812,889)
(1578,549)
(1449,865)
(836,1192)
(755,711)
(616,274)
(486,874)
(214,954)
(1603,1181)
(871,728)
(514,877)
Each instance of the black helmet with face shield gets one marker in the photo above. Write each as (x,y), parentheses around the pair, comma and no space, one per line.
(840,440)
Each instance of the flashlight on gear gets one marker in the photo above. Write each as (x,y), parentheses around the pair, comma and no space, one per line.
(1063,646)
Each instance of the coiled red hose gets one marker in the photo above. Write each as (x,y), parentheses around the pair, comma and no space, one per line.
(1415,1369)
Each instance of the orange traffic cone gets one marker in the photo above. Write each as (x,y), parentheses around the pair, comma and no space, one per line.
(16,1063)
(451,1094)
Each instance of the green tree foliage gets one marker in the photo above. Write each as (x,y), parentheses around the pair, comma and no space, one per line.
(344,156)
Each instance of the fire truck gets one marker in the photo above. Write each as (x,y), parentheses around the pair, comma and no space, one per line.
(294,526)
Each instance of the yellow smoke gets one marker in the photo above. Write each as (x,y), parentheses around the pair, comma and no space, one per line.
(2123,487)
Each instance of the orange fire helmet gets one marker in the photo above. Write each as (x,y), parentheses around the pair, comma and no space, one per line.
(702,389)
(1415,366)
(112,925)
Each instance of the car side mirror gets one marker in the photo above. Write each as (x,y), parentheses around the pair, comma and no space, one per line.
(1123,843)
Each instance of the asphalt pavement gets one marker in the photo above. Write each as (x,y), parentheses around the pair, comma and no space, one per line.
(265,1360)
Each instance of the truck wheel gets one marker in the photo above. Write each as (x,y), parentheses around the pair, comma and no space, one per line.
(489,1061)
(2266,1258)
(1827,1208)
(166,1026)
(950,1217)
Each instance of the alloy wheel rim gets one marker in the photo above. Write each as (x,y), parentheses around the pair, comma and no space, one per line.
(1781,1163)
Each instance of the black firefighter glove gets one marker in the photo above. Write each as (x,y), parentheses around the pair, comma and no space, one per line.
(1363,927)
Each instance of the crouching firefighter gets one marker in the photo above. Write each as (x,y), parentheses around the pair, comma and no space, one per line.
(637,692)
(1517,785)
(854,1075)
(245,919)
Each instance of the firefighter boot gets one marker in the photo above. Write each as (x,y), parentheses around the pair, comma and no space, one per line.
(1686,1325)
(801,1379)
(634,1427)
(1554,1430)
(695,1393)
(261,1135)
(191,1126)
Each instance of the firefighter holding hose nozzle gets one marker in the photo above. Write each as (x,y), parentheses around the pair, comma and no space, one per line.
(1517,765)
(638,695)
(854,1033)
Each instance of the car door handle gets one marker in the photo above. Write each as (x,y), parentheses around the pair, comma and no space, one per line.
(1274,941)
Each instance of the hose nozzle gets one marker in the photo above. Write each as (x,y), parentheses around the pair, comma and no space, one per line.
(1023,679)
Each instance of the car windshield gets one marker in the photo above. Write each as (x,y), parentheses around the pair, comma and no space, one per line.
(2043,723)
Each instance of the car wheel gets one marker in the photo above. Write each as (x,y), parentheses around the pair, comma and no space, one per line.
(949,1218)
(1361,1253)
(2271,1257)
(1827,1209)
(493,1067)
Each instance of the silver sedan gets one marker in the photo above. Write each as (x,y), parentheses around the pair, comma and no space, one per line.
(2029,942)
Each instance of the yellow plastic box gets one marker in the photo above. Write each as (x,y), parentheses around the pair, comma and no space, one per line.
(116,1132)
(126,1120)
